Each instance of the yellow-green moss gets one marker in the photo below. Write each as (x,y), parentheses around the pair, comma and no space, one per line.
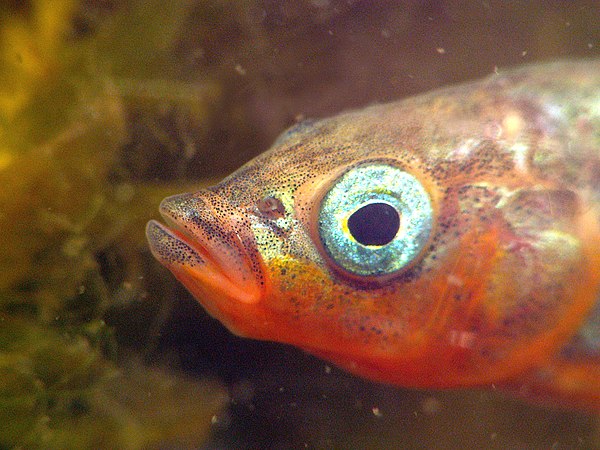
(63,124)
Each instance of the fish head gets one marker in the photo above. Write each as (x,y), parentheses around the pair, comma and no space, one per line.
(396,251)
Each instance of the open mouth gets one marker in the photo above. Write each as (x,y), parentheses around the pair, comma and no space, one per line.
(203,250)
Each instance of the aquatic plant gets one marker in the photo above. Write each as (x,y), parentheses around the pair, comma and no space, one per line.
(64,382)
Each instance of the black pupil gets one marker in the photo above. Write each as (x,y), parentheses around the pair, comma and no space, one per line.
(374,224)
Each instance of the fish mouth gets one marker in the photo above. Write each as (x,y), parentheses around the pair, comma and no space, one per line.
(208,245)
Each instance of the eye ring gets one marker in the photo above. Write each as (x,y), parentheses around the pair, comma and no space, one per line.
(375,183)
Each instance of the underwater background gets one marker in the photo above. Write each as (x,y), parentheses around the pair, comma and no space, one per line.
(106,107)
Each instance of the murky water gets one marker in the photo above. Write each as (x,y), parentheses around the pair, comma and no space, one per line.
(108,106)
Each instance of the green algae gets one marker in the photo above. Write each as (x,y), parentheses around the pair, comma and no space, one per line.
(64,379)
(58,391)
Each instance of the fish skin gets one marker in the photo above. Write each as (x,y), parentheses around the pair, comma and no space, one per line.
(505,292)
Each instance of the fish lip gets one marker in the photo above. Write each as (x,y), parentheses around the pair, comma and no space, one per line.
(221,266)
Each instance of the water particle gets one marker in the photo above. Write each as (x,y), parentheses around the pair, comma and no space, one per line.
(431,406)
(240,70)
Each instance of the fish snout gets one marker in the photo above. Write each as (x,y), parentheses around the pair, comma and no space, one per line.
(208,243)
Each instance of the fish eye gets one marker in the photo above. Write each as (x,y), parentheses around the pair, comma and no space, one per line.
(375,219)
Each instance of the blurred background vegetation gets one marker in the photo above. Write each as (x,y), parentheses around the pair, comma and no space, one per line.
(107,106)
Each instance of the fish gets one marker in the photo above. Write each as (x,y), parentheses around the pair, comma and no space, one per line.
(448,240)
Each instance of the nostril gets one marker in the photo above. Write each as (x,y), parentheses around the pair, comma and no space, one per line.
(271,207)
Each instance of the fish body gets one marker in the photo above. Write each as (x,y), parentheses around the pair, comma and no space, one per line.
(446,240)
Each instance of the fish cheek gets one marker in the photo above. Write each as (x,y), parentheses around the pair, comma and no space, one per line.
(324,313)
(300,302)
